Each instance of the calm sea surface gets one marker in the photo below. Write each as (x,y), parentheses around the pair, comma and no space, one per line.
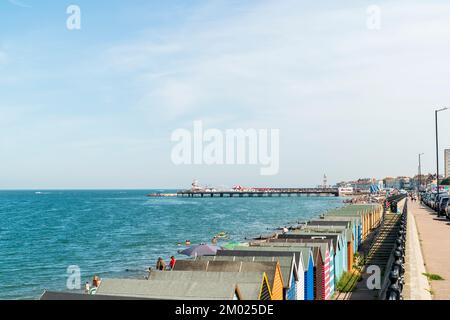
(121,233)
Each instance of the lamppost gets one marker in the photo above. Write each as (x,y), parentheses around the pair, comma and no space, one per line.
(437,148)
(420,173)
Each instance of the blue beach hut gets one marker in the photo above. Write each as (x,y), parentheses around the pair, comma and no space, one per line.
(339,247)
(317,232)
(303,258)
(307,264)
(356,225)
(327,252)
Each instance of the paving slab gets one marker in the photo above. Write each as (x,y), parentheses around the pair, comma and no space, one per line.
(416,283)
(434,239)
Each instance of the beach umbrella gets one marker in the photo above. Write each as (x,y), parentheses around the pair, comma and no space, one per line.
(201,250)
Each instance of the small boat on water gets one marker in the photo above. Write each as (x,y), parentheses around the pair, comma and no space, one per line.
(222,235)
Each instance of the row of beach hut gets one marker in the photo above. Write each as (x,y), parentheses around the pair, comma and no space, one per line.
(305,263)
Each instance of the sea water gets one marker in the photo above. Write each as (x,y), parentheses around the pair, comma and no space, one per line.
(121,233)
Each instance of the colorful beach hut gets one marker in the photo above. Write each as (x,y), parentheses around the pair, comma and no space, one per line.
(292,278)
(170,290)
(272,270)
(324,233)
(339,246)
(319,274)
(370,214)
(330,256)
(339,223)
(305,266)
(287,266)
(333,228)
(328,268)
(319,263)
(252,285)
(356,224)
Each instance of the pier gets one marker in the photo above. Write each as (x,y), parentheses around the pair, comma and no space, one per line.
(272,192)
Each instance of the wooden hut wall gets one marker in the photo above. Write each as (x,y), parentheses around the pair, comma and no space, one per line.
(319,276)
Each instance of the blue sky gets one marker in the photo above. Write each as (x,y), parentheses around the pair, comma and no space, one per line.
(95,108)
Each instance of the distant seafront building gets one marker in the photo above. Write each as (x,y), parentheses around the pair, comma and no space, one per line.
(447,162)
(397,182)
(363,185)
(360,185)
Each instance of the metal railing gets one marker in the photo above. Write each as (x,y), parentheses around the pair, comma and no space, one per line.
(394,280)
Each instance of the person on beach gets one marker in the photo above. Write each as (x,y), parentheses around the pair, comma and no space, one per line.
(285,230)
(160,264)
(172,262)
(214,240)
(188,242)
(87,287)
(96,281)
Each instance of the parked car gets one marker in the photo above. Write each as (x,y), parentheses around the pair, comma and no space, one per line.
(447,211)
(437,201)
(431,199)
(425,197)
(442,205)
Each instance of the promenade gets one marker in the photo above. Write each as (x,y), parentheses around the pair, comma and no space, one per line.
(433,236)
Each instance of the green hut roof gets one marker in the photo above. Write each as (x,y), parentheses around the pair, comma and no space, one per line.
(319,228)
(287,264)
(301,252)
(335,238)
(171,290)
(249,283)
(324,246)
(269,268)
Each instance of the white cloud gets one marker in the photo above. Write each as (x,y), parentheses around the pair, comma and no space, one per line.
(19,3)
(310,72)
(341,95)
(278,59)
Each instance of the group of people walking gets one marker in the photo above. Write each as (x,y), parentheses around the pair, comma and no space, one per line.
(413,197)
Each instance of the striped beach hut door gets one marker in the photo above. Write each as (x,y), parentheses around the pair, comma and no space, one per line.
(300,285)
(332,272)
(327,275)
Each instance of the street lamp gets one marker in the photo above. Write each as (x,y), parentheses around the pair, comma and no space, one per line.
(420,173)
(437,147)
